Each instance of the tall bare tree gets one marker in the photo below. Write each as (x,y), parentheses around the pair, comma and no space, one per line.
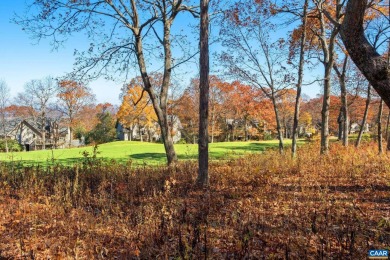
(327,38)
(4,101)
(254,57)
(300,80)
(341,75)
(379,122)
(37,95)
(204,85)
(365,115)
(121,33)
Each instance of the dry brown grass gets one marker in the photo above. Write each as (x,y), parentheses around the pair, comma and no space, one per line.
(259,207)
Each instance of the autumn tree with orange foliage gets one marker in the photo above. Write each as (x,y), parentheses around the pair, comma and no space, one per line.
(246,106)
(87,119)
(73,97)
(186,108)
(245,101)
(15,111)
(104,129)
(136,110)
(313,108)
(287,99)
(217,98)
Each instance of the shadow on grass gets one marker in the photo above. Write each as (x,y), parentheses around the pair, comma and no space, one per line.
(250,147)
(137,160)
(145,159)
(148,156)
(218,151)
(32,163)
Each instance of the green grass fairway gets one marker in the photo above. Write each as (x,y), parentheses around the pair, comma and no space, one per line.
(140,153)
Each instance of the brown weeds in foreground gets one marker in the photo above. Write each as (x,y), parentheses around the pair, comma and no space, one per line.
(261,206)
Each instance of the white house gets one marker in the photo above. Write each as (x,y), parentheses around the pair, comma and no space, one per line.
(355,128)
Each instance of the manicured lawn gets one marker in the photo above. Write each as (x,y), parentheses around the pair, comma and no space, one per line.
(140,153)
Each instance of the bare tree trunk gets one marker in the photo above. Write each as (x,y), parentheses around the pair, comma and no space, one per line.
(373,66)
(325,112)
(344,103)
(345,121)
(203,147)
(4,95)
(380,138)
(327,44)
(70,126)
(285,129)
(340,123)
(299,84)
(388,117)
(368,100)
(6,141)
(43,140)
(245,129)
(233,132)
(43,131)
(387,126)
(70,135)
(168,142)
(55,135)
(227,137)
(159,107)
(212,126)
(278,125)
(6,145)
(4,131)
(387,133)
(149,135)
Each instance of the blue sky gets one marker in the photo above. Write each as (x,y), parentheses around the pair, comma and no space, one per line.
(22,59)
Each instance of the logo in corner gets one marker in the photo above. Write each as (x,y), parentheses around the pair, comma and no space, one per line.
(378,254)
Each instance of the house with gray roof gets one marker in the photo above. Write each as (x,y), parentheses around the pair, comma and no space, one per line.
(29,134)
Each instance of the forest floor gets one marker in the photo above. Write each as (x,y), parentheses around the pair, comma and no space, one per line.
(259,206)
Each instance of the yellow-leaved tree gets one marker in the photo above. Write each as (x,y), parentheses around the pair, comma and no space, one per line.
(136,112)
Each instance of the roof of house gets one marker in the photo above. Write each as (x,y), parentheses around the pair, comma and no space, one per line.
(33,126)
(14,124)
(10,124)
